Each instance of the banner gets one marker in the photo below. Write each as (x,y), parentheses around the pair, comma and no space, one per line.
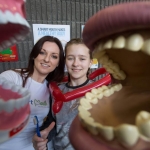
(62,32)
(95,62)
(9,54)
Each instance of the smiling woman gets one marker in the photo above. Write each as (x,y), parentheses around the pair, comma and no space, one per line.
(46,64)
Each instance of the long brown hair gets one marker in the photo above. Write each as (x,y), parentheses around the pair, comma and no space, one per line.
(58,73)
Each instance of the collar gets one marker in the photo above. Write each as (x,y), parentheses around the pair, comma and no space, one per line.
(74,87)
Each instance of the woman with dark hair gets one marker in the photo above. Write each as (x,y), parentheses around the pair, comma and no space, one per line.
(46,64)
(78,60)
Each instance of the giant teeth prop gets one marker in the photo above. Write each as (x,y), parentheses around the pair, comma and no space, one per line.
(13,25)
(14,106)
(118,115)
(14,109)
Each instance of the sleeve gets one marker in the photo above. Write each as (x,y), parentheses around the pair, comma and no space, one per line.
(48,121)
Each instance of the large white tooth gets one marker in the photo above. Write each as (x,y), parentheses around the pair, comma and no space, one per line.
(119,42)
(118,76)
(104,59)
(108,44)
(7,106)
(89,120)
(89,95)
(107,93)
(91,98)
(2,80)
(111,91)
(106,131)
(121,75)
(22,101)
(16,88)
(90,125)
(94,91)
(3,19)
(143,123)
(10,17)
(19,18)
(117,87)
(127,134)
(115,67)
(100,89)
(104,87)
(93,101)
(23,92)
(85,104)
(6,85)
(134,42)
(108,69)
(115,76)
(27,98)
(146,47)
(18,103)
(83,111)
(1,104)
(100,95)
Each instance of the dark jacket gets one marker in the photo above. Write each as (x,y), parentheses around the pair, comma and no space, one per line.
(49,119)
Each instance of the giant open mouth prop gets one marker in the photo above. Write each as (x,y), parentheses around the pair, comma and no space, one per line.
(117,117)
(14,100)
(13,25)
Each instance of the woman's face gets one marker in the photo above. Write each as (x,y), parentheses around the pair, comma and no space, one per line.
(47,60)
(78,61)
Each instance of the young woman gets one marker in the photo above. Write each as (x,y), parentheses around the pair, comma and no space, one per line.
(46,64)
(78,62)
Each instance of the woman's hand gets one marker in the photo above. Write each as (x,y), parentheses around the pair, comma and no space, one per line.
(40,143)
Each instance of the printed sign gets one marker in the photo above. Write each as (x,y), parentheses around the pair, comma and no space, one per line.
(95,62)
(62,32)
(9,54)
